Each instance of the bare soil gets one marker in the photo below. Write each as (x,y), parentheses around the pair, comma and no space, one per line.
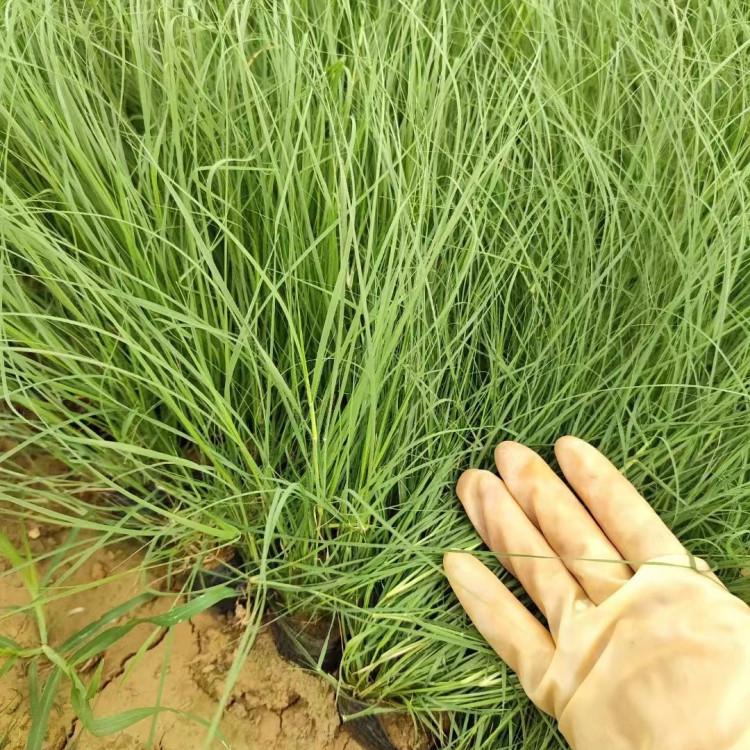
(273,705)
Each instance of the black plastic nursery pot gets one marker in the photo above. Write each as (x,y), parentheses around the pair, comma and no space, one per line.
(315,642)
(310,642)
(389,731)
(223,574)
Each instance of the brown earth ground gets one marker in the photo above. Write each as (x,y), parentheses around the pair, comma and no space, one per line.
(273,705)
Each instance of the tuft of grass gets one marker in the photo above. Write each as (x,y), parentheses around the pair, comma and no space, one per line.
(272,274)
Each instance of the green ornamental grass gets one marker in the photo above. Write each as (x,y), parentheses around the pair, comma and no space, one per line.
(273,274)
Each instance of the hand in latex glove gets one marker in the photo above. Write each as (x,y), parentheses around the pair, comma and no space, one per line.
(644,651)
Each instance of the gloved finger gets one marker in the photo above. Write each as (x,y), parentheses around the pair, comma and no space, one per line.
(565,523)
(519,546)
(631,524)
(517,637)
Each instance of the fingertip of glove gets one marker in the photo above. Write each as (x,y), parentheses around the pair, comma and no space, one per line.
(571,450)
(454,563)
(568,443)
(509,449)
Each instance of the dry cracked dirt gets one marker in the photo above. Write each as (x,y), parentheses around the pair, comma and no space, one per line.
(273,705)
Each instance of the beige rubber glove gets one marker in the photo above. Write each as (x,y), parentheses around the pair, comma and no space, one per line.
(645,649)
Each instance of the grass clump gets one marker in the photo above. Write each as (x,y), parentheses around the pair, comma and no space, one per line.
(273,274)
